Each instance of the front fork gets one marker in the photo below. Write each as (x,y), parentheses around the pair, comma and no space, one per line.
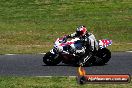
(54,52)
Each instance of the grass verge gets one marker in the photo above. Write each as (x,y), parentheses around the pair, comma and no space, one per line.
(39,22)
(52,82)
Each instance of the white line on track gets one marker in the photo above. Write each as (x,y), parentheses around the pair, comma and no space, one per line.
(56,76)
(45,53)
(20,54)
(129,51)
(41,53)
(10,54)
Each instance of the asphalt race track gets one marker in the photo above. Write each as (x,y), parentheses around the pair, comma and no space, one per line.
(32,65)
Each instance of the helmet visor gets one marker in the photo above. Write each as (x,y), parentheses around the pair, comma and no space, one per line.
(79,33)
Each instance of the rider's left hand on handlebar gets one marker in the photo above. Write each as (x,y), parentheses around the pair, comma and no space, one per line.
(64,40)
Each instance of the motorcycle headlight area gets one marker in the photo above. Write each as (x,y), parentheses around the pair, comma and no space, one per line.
(58,48)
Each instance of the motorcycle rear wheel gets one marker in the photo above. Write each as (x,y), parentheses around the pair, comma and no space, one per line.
(49,59)
(103,56)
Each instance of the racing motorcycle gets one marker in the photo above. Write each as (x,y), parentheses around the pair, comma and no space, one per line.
(73,52)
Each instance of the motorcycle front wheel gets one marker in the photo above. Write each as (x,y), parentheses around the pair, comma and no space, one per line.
(51,59)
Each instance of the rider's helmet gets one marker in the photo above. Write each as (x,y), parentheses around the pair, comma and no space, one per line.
(81,31)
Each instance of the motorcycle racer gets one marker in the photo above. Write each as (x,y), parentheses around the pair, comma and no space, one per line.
(82,49)
(86,37)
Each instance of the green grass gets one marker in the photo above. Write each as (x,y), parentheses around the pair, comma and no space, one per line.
(52,82)
(31,26)
(32,23)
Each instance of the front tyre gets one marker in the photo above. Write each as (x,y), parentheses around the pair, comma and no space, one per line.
(51,59)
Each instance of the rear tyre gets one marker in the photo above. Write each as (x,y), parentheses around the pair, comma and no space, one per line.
(102,57)
(51,59)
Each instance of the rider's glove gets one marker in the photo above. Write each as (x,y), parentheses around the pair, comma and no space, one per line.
(64,39)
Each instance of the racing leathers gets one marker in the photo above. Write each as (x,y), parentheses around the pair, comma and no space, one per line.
(88,38)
